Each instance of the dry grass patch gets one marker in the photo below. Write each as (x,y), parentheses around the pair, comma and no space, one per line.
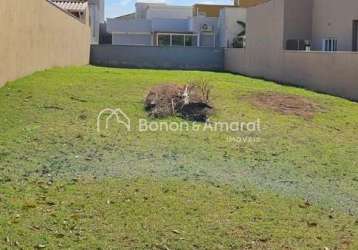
(286,104)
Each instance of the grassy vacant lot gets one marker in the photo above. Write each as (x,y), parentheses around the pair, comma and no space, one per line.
(64,185)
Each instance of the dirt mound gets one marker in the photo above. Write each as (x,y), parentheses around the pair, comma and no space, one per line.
(286,104)
(189,101)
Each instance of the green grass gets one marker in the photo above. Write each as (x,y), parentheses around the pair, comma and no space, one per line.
(64,185)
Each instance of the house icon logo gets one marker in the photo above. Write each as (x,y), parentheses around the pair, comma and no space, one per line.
(112,114)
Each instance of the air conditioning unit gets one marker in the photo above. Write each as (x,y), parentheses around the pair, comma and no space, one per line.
(206,28)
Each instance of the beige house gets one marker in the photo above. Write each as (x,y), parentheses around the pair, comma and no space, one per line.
(309,43)
(325,25)
(318,25)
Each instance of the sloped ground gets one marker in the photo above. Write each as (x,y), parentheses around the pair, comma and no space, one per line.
(64,185)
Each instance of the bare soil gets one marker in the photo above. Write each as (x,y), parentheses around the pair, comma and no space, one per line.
(164,100)
(286,104)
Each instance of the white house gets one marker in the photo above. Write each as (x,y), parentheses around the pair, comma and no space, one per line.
(159,24)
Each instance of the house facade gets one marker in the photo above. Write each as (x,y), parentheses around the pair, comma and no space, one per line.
(157,24)
(325,25)
(309,43)
(87,11)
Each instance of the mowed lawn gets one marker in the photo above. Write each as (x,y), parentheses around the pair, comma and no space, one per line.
(64,185)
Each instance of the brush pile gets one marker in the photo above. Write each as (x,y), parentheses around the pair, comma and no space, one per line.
(190,101)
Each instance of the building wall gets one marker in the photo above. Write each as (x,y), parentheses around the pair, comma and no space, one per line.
(36,35)
(127,39)
(264,34)
(101,6)
(170,25)
(228,26)
(173,12)
(298,19)
(332,18)
(96,9)
(197,22)
(250,3)
(264,57)
(135,25)
(158,57)
(321,19)
(207,40)
(208,10)
(161,10)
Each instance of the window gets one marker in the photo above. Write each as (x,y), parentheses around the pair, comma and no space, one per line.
(176,39)
(293,44)
(163,40)
(191,41)
(329,44)
(355,35)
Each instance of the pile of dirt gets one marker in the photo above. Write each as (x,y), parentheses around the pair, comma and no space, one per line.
(286,104)
(189,101)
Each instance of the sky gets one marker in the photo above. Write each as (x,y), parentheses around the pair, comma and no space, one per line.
(116,8)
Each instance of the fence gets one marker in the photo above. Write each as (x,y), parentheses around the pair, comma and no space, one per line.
(158,57)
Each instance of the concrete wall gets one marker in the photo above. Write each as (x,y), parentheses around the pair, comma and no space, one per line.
(264,37)
(36,35)
(155,57)
(331,73)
